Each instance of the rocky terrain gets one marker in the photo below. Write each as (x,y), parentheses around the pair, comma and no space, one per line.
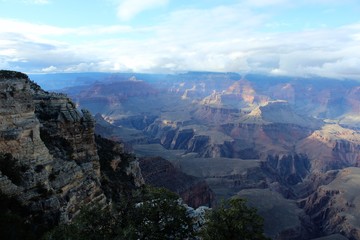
(159,172)
(281,139)
(334,207)
(52,163)
(49,157)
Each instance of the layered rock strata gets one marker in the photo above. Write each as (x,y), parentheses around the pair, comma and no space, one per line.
(334,208)
(50,162)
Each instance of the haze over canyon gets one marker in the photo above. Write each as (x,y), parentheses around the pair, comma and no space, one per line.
(288,145)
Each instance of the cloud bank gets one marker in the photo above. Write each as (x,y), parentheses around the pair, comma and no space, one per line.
(224,38)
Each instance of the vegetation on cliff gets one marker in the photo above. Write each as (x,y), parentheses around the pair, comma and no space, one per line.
(155,213)
(150,213)
(6,74)
(233,219)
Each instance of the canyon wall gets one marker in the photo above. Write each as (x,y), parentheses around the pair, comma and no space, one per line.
(49,158)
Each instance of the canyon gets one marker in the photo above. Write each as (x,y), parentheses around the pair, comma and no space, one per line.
(289,146)
(52,164)
(279,139)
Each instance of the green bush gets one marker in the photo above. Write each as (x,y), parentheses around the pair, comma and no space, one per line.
(158,215)
(93,223)
(233,220)
(155,213)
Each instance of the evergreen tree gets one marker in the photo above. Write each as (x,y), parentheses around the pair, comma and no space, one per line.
(233,220)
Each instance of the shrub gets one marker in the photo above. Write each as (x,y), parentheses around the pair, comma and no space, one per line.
(233,220)
(6,74)
(158,215)
(151,213)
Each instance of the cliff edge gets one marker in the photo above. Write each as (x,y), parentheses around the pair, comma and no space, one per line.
(49,161)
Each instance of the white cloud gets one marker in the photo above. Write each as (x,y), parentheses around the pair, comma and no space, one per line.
(341,68)
(128,9)
(15,26)
(277,71)
(39,30)
(224,38)
(49,69)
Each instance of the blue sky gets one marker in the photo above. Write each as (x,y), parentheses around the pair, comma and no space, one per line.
(281,37)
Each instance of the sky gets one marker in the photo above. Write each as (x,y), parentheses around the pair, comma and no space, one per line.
(302,38)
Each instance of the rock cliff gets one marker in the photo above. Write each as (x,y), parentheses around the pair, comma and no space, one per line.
(331,147)
(216,114)
(333,207)
(49,157)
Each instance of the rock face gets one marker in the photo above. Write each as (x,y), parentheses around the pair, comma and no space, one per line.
(291,169)
(332,147)
(268,129)
(161,173)
(52,147)
(120,170)
(334,208)
(216,114)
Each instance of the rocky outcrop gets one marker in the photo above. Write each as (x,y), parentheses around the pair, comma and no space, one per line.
(284,172)
(257,141)
(20,141)
(174,136)
(50,161)
(120,170)
(313,181)
(69,136)
(334,208)
(242,140)
(161,173)
(199,144)
(170,135)
(331,147)
(19,126)
(290,169)
(216,114)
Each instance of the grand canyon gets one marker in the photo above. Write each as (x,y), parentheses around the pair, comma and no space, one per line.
(290,146)
(186,120)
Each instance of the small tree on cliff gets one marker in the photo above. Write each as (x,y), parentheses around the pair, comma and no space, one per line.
(233,220)
(157,214)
